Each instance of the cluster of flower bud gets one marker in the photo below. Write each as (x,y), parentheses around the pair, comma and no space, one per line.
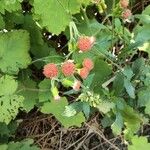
(91,98)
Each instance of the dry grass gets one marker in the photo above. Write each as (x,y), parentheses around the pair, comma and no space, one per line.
(50,135)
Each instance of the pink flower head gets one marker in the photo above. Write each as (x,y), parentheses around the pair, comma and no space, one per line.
(84,72)
(68,68)
(126,14)
(50,70)
(124,3)
(88,63)
(85,43)
(77,85)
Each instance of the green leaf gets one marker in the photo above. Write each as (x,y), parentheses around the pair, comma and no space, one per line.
(142,36)
(88,81)
(146,11)
(8,85)
(118,84)
(30,93)
(145,16)
(26,144)
(107,121)
(10,102)
(147,109)
(105,106)
(49,16)
(3,147)
(10,5)
(145,19)
(79,57)
(44,90)
(57,108)
(69,111)
(128,72)
(14,51)
(101,70)
(132,120)
(138,66)
(2,23)
(86,109)
(7,131)
(9,107)
(117,125)
(129,88)
(139,143)
(143,97)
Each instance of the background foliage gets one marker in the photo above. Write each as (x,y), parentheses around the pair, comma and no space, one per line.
(36,32)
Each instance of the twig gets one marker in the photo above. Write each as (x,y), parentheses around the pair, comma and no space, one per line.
(102,136)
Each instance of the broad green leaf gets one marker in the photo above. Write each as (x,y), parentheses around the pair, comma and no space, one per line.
(128,72)
(105,106)
(118,84)
(145,19)
(129,88)
(14,51)
(146,11)
(142,36)
(57,108)
(9,107)
(138,66)
(27,144)
(144,97)
(92,28)
(86,109)
(147,109)
(132,120)
(10,5)
(7,85)
(88,81)
(10,102)
(43,53)
(44,90)
(7,131)
(117,125)
(107,121)
(139,143)
(85,2)
(53,12)
(3,147)
(101,70)
(30,93)
(79,57)
(145,16)
(69,111)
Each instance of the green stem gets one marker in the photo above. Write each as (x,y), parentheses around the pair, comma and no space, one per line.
(113,22)
(99,30)
(43,59)
(86,18)
(111,61)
